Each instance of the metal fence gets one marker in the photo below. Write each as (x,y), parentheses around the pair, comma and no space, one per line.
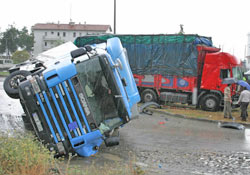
(6,61)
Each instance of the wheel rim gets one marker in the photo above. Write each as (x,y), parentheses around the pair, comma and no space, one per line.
(148,97)
(15,80)
(210,103)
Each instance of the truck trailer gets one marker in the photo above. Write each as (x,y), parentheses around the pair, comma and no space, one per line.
(185,69)
(78,100)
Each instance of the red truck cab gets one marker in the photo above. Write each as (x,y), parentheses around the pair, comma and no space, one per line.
(215,67)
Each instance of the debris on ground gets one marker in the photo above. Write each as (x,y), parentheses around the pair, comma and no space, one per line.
(231,125)
(143,107)
(161,123)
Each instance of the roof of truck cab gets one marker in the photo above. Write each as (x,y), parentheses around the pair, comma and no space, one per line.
(222,58)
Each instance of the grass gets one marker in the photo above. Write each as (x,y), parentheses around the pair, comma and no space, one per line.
(196,113)
(4,73)
(116,168)
(25,155)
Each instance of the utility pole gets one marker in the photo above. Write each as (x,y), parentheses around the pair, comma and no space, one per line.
(114,16)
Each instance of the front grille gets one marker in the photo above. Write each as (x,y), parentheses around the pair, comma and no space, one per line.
(63,112)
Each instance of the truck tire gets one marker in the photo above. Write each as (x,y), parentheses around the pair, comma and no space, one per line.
(113,139)
(11,82)
(210,102)
(148,95)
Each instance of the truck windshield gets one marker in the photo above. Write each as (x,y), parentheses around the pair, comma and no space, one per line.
(100,91)
(237,73)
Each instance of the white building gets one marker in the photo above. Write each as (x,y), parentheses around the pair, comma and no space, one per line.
(50,35)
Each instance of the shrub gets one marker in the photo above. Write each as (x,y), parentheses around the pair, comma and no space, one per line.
(20,56)
(24,155)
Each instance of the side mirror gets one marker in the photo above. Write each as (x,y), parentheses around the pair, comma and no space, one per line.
(88,48)
(78,52)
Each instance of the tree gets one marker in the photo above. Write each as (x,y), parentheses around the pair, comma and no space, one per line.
(26,40)
(20,56)
(58,42)
(12,39)
(9,40)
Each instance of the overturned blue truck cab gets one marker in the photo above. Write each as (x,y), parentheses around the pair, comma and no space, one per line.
(76,103)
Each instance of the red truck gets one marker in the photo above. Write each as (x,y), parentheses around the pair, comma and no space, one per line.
(185,69)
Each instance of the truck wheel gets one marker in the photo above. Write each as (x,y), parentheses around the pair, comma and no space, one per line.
(113,139)
(210,102)
(148,95)
(11,82)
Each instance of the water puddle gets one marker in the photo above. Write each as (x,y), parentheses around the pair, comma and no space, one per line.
(247,139)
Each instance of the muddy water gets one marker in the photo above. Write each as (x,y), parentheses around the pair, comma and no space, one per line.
(186,134)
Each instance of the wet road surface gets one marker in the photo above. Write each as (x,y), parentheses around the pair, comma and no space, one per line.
(182,146)
(161,144)
(10,112)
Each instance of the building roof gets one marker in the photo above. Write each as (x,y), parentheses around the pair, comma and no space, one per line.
(71,26)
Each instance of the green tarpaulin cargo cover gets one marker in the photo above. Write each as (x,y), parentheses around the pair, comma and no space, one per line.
(157,54)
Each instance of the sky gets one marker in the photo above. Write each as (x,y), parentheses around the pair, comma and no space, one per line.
(226,21)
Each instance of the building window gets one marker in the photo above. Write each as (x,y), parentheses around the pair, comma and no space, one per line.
(80,34)
(74,34)
(52,32)
(58,33)
(45,33)
(45,43)
(64,34)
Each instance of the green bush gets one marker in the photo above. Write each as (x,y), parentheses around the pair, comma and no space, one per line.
(24,155)
(20,56)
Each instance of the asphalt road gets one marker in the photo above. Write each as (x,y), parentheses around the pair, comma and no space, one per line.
(161,144)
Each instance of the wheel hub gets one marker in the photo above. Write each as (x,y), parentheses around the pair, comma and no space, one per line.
(210,103)
(148,97)
(15,80)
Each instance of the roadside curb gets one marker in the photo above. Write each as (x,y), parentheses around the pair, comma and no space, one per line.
(192,118)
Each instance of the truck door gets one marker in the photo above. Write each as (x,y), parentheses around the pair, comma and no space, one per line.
(224,73)
(116,51)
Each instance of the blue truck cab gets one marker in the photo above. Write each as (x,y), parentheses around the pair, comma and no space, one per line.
(75,104)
